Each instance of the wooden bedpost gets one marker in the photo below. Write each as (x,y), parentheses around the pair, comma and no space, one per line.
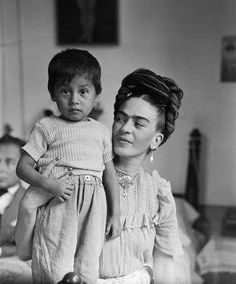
(192,180)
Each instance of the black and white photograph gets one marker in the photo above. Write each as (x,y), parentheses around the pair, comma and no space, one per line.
(117,142)
(87,21)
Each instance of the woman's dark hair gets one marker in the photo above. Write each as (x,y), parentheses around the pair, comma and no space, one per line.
(161,92)
(65,65)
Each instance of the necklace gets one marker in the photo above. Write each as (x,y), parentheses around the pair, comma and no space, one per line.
(125,180)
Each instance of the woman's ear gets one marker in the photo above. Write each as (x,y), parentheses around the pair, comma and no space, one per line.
(157,139)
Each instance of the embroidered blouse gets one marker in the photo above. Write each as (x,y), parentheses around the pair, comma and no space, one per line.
(148,218)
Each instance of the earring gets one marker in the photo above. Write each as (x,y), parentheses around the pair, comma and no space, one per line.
(151,157)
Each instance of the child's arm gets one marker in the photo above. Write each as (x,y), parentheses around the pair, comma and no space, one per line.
(113,197)
(26,171)
(32,199)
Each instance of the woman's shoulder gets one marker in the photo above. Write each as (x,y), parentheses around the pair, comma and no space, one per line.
(160,183)
(159,188)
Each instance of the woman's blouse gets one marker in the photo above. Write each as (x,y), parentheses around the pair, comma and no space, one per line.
(84,145)
(148,218)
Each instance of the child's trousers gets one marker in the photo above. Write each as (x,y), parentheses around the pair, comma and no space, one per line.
(69,235)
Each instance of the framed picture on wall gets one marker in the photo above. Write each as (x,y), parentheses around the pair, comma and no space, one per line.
(228,59)
(86,22)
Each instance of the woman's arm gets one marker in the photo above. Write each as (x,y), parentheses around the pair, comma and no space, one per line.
(113,197)
(163,268)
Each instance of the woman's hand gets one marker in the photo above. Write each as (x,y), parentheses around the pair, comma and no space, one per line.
(113,228)
(36,197)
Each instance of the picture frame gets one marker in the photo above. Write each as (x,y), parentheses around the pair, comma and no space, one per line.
(86,22)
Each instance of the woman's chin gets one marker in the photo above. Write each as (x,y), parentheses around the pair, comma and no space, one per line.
(122,151)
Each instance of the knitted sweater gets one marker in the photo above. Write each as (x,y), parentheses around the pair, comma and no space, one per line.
(84,146)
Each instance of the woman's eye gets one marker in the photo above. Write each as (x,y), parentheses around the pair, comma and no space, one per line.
(139,125)
(119,118)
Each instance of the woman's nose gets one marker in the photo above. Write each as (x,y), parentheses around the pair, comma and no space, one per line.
(127,126)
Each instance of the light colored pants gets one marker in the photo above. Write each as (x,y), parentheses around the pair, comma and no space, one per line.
(69,235)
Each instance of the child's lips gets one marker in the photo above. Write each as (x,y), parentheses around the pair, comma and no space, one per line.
(75,110)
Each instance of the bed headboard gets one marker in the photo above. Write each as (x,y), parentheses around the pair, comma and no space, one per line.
(192,179)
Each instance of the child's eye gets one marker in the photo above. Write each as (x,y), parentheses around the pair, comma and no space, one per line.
(64,91)
(83,92)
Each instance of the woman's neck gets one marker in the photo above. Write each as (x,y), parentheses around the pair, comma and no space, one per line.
(128,165)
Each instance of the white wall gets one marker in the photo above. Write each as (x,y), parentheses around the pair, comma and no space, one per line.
(180,39)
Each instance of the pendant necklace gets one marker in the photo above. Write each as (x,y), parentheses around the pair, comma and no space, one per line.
(125,180)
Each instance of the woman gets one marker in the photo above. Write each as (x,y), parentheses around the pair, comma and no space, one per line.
(145,111)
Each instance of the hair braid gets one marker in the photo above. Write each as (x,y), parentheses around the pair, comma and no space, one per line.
(172,107)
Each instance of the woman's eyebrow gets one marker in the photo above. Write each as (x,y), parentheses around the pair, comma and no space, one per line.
(141,118)
(137,117)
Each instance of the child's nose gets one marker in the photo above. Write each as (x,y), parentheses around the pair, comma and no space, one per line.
(74,98)
(3,166)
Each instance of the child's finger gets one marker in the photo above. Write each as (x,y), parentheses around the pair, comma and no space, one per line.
(62,174)
(70,188)
(49,168)
(68,191)
(108,230)
(61,198)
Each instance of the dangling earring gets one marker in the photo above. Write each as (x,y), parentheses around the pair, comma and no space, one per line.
(151,157)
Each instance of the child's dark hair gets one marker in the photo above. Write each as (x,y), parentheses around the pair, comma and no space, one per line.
(68,63)
(161,92)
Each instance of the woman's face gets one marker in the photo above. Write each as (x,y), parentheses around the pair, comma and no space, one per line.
(134,129)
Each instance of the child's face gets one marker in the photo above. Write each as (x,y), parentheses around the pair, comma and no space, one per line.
(75,99)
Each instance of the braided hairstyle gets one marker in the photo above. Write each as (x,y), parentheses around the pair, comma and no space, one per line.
(161,92)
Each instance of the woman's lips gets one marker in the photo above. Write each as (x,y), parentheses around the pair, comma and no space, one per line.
(123,140)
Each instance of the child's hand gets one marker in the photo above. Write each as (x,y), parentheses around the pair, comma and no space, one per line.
(62,188)
(113,228)
(35,197)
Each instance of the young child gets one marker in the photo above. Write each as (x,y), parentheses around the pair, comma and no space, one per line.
(83,145)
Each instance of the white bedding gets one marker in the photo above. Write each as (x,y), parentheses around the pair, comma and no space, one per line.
(190,239)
